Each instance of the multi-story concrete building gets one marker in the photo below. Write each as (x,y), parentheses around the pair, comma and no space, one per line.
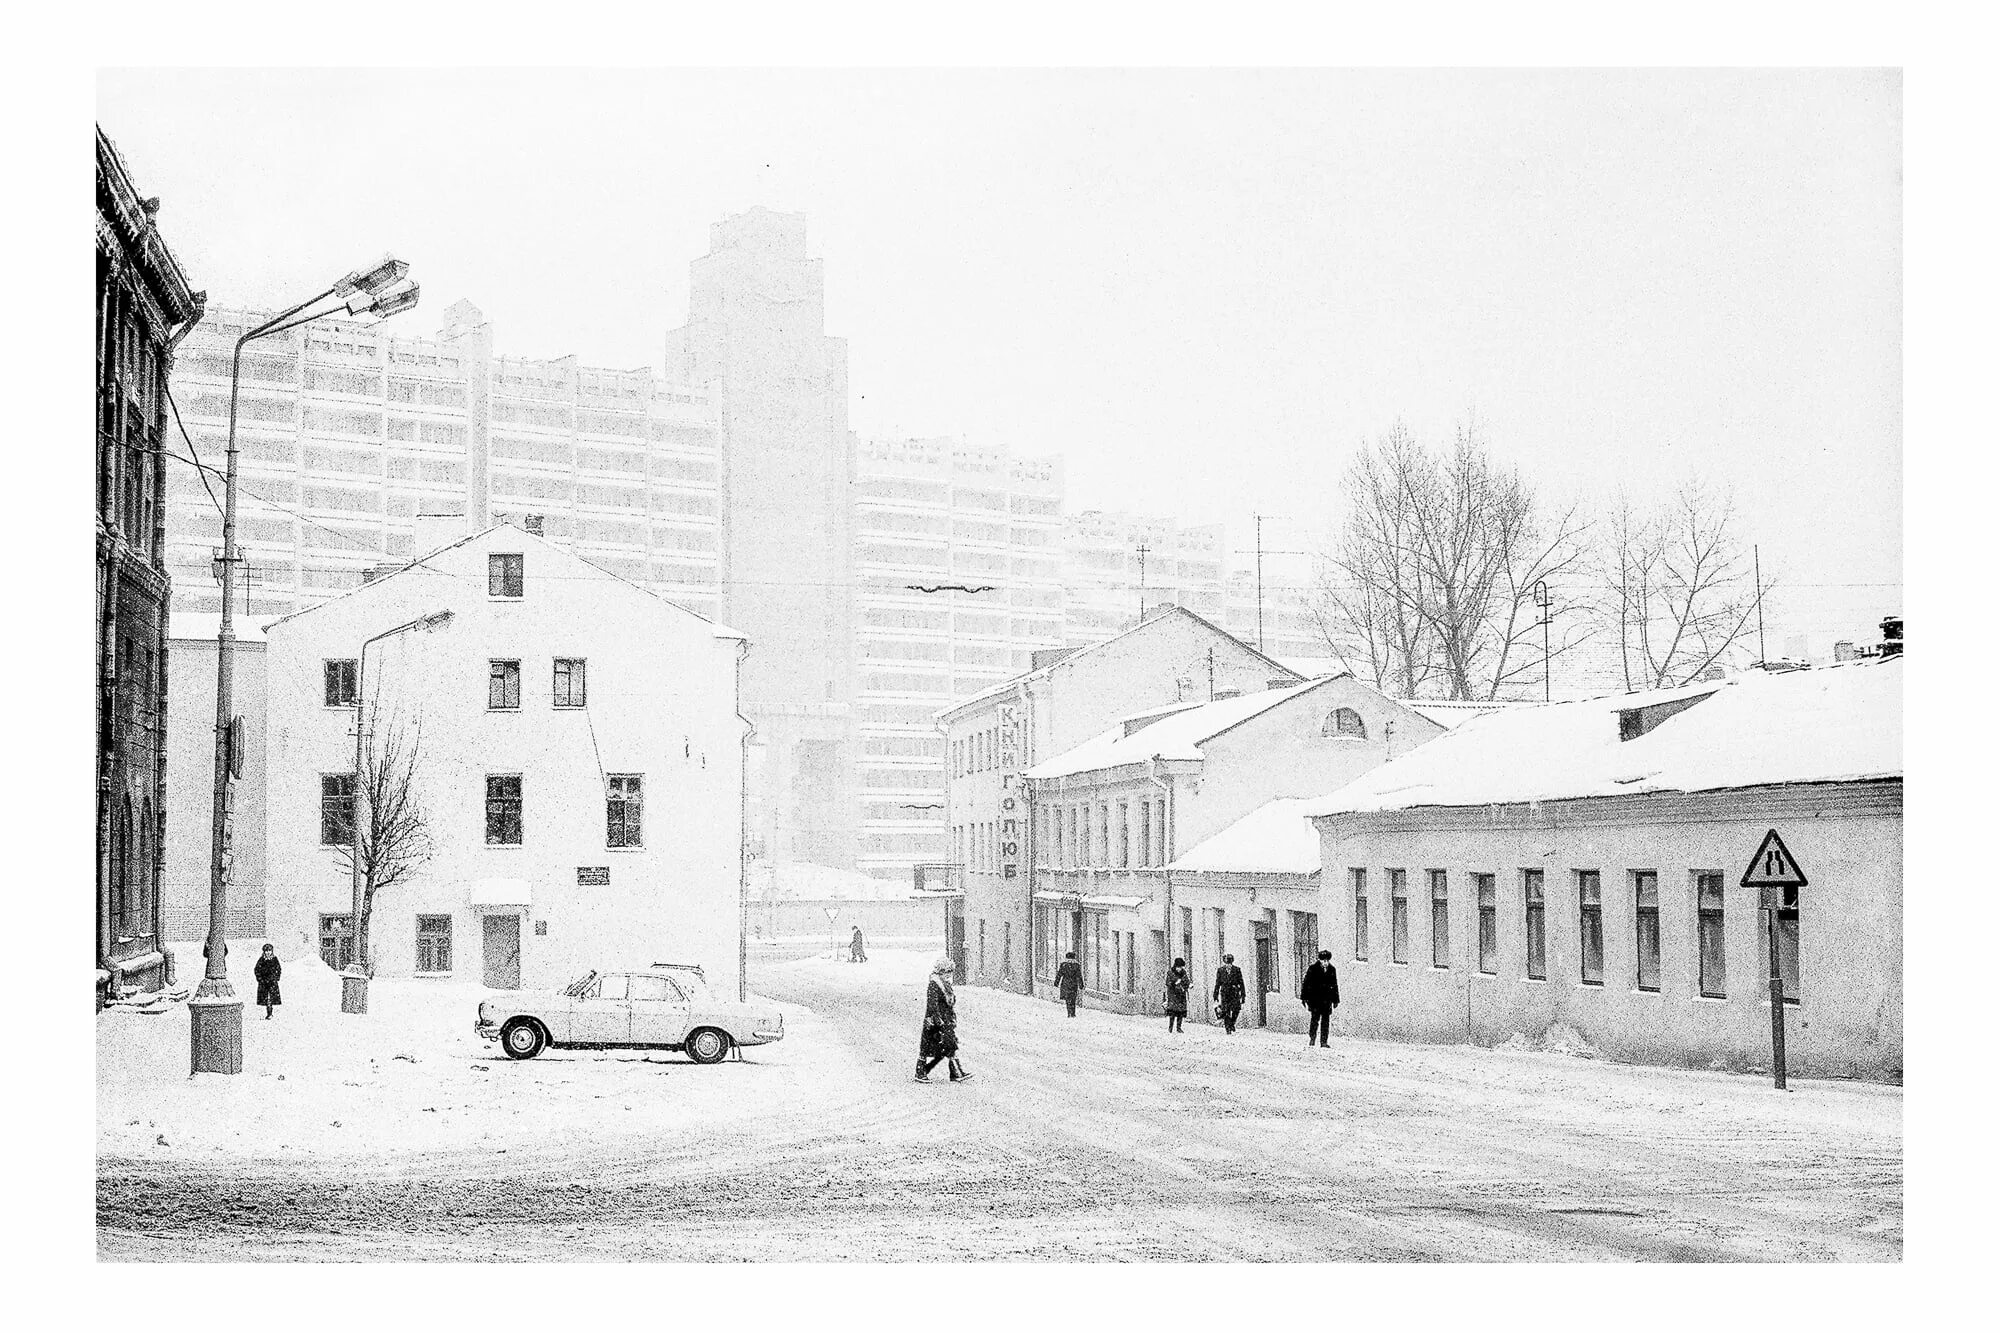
(932,520)
(144,309)
(1116,566)
(574,750)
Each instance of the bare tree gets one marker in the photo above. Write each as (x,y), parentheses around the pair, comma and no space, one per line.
(1677,586)
(395,836)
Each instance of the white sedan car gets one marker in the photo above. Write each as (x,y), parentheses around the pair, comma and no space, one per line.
(666,1007)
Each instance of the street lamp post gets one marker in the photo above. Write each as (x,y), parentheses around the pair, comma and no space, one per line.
(215,1013)
(354,981)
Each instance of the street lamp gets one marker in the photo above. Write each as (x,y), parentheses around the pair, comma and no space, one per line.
(215,1013)
(354,981)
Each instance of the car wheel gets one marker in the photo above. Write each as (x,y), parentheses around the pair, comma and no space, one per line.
(705,1046)
(522,1039)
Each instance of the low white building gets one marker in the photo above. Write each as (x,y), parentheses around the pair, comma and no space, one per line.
(577,760)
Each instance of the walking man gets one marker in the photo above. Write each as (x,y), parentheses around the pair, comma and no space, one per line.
(1229,992)
(855,952)
(1069,980)
(1319,992)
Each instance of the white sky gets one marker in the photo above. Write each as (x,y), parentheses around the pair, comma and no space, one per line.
(1201,288)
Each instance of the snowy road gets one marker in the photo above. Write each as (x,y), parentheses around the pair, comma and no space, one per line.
(1096,1138)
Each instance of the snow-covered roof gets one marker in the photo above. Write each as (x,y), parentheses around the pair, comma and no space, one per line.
(1274,839)
(1176,735)
(198,625)
(1449,713)
(1834,724)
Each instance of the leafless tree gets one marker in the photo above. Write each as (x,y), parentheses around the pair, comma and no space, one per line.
(395,835)
(1678,588)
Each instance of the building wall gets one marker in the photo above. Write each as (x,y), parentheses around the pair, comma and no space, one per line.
(661,695)
(1225,910)
(191,785)
(1847,838)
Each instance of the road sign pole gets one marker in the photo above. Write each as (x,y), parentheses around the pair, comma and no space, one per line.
(1777,990)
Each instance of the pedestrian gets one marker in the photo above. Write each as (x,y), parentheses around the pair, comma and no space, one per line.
(1179,982)
(1228,995)
(1319,992)
(940,1039)
(855,952)
(1069,980)
(268,970)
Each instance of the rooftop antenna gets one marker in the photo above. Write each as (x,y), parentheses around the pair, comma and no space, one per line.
(1142,582)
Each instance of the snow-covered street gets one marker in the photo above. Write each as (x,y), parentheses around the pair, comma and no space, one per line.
(401,1135)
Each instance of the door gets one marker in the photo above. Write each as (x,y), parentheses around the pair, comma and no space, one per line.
(956,949)
(1267,969)
(502,955)
(659,1012)
(603,1013)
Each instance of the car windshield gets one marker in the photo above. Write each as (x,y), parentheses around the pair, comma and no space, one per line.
(580,985)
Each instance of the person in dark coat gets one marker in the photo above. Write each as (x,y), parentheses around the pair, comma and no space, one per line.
(940,1038)
(1179,982)
(1229,992)
(1069,980)
(268,970)
(855,952)
(1319,992)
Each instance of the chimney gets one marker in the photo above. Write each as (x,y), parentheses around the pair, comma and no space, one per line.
(1892,636)
(1843,651)
(533,523)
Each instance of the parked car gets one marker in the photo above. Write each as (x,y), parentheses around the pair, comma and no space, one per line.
(665,1007)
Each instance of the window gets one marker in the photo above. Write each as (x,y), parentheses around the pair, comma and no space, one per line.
(1358,878)
(336,809)
(1646,926)
(1344,722)
(340,681)
(433,944)
(503,575)
(1440,920)
(503,810)
(1399,916)
(1709,934)
(1145,833)
(1788,942)
(569,682)
(1534,910)
(614,986)
(503,684)
(336,941)
(1131,962)
(658,990)
(1489,924)
(1590,926)
(1006,948)
(624,808)
(1305,941)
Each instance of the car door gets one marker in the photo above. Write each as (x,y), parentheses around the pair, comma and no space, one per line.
(603,1013)
(659,1011)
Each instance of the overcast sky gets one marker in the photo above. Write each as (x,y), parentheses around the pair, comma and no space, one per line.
(1202,289)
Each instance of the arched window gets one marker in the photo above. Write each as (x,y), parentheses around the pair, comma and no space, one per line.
(1344,722)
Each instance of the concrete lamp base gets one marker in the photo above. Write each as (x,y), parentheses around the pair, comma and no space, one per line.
(353,993)
(215,1034)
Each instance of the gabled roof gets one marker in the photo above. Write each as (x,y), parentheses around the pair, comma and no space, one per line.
(1449,713)
(1177,734)
(1276,838)
(1834,724)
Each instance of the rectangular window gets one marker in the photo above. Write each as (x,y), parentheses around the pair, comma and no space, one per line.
(1131,963)
(336,809)
(1399,916)
(1440,920)
(569,682)
(1534,910)
(336,941)
(1709,934)
(1359,879)
(503,810)
(433,944)
(503,684)
(1146,833)
(1590,927)
(503,575)
(624,810)
(1646,927)
(340,681)
(1788,943)
(1489,924)
(1305,941)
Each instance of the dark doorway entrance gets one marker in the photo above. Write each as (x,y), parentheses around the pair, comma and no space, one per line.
(1266,960)
(501,936)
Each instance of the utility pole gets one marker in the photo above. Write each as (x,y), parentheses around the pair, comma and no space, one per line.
(1542,600)
(1211,673)
(1259,519)
(1142,582)
(1757,573)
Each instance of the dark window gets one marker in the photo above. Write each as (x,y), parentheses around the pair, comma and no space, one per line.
(340,680)
(569,682)
(624,810)
(1646,926)
(1788,943)
(1006,948)
(336,809)
(503,684)
(1399,916)
(1709,934)
(1489,924)
(433,944)
(336,941)
(1305,941)
(1440,920)
(1344,722)
(1590,926)
(503,810)
(503,575)
(1537,923)
(1359,879)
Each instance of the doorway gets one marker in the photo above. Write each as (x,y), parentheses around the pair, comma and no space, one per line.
(1266,960)
(501,936)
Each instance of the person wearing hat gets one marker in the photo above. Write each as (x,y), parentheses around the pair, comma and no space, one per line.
(1319,992)
(267,971)
(1174,998)
(940,1039)
(1069,981)
(1228,992)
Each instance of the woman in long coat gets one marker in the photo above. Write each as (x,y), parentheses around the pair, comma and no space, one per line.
(940,1039)
(267,971)
(1179,982)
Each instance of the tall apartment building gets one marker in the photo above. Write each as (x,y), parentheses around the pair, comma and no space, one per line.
(930,513)
(1274,614)
(1115,562)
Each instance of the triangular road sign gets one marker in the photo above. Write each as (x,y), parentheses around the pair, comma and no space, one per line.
(1773,867)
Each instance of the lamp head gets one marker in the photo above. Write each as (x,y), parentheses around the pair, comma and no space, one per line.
(386,273)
